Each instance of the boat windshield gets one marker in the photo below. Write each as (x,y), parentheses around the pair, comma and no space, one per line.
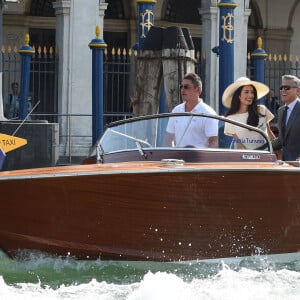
(185,130)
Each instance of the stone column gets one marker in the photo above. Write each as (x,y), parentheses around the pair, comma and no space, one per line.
(241,16)
(209,13)
(2,118)
(102,9)
(63,11)
(75,25)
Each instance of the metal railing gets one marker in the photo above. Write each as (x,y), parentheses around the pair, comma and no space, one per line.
(43,76)
(276,65)
(73,145)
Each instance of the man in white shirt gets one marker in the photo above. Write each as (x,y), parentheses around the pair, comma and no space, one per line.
(192,131)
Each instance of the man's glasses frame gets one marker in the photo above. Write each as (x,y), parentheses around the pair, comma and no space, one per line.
(287,87)
(185,86)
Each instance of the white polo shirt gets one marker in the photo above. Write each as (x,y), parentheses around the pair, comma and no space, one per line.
(190,130)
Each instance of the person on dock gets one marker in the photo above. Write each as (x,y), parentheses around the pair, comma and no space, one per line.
(11,104)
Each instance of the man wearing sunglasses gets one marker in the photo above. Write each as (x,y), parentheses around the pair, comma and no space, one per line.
(289,119)
(192,131)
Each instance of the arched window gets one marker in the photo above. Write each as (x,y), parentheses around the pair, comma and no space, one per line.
(42,36)
(183,11)
(114,10)
(43,8)
(255,17)
(254,23)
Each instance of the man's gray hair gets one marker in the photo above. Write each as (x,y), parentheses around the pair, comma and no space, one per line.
(295,79)
(195,78)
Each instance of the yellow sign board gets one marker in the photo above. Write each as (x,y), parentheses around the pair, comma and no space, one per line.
(10,142)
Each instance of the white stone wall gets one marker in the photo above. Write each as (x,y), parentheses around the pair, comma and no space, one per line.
(76,25)
(241,15)
(295,26)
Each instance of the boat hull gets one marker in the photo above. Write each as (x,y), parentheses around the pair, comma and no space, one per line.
(152,212)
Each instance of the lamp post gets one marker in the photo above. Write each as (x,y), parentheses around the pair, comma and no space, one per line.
(3,5)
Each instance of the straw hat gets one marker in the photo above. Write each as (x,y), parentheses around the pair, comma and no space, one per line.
(261,89)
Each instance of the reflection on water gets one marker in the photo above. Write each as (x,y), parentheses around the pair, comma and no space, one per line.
(40,276)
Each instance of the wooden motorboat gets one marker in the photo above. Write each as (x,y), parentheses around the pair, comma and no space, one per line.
(136,199)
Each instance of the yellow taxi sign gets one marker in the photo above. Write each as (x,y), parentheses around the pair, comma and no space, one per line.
(10,142)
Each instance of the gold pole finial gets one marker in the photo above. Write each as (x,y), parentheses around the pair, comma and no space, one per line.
(98,32)
(259,42)
(26,39)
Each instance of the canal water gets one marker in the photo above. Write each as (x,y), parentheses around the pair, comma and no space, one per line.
(40,276)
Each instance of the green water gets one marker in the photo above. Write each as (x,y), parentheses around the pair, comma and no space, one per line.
(40,276)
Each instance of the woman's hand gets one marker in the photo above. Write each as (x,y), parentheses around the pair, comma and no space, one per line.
(238,142)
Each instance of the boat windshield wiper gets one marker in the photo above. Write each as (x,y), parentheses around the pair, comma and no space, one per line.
(141,150)
(99,152)
(132,138)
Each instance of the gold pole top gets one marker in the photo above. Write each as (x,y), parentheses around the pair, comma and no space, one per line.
(98,31)
(259,42)
(27,39)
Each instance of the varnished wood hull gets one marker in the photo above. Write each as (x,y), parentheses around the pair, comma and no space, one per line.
(150,211)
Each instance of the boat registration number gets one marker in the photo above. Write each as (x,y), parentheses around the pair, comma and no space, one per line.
(250,156)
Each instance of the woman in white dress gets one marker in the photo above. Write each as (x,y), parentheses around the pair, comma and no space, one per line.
(241,99)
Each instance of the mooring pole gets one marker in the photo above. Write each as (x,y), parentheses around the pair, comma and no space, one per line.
(259,56)
(226,48)
(97,45)
(26,53)
(146,19)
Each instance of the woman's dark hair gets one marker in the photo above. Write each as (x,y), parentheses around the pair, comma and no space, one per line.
(253,111)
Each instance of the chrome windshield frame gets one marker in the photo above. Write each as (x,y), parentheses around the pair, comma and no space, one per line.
(115,124)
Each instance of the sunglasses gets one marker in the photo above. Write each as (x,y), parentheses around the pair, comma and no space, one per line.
(184,86)
(287,87)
